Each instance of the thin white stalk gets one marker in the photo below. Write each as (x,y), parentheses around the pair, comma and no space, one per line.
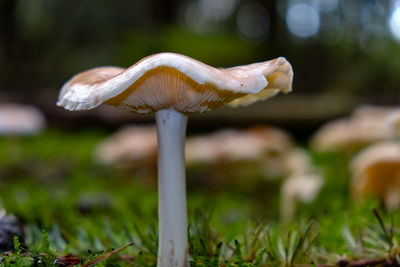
(172,214)
(287,205)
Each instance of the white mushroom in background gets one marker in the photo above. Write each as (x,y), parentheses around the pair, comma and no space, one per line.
(129,146)
(302,184)
(20,119)
(174,86)
(393,119)
(298,161)
(237,145)
(300,187)
(365,126)
(376,172)
(371,111)
(283,162)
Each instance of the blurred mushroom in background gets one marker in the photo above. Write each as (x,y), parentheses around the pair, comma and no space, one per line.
(19,119)
(376,172)
(296,188)
(298,161)
(372,111)
(287,162)
(132,152)
(302,184)
(237,145)
(16,121)
(131,146)
(250,154)
(394,122)
(366,125)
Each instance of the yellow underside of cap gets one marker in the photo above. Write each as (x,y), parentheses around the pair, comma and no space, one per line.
(381,178)
(166,87)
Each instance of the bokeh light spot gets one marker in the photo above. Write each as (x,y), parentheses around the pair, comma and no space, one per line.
(302,20)
(253,21)
(207,15)
(394,23)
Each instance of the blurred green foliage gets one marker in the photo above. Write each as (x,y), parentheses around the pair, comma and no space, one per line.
(352,53)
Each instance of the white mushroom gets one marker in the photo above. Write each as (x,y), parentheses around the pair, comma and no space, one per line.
(237,145)
(18,119)
(174,86)
(298,161)
(372,111)
(365,126)
(131,144)
(393,120)
(303,183)
(299,187)
(287,162)
(376,172)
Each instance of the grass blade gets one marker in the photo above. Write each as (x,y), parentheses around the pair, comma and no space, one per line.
(105,256)
(382,224)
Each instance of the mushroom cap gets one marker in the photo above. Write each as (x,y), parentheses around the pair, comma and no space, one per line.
(169,80)
(378,112)
(393,120)
(303,187)
(376,171)
(19,119)
(366,125)
(131,144)
(377,153)
(298,161)
(237,145)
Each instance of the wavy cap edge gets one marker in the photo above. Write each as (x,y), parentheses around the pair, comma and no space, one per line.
(280,79)
(107,82)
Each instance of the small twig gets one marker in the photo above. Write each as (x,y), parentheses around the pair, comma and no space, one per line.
(104,256)
(362,263)
(67,260)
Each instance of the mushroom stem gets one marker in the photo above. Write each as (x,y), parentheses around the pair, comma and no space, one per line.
(172,214)
(287,206)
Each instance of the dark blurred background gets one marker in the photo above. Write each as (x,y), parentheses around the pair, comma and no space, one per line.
(344,53)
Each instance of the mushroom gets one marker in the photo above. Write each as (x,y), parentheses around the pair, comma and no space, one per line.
(258,149)
(303,183)
(131,144)
(174,86)
(394,122)
(372,111)
(237,145)
(19,119)
(376,172)
(365,126)
(298,187)
(297,161)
